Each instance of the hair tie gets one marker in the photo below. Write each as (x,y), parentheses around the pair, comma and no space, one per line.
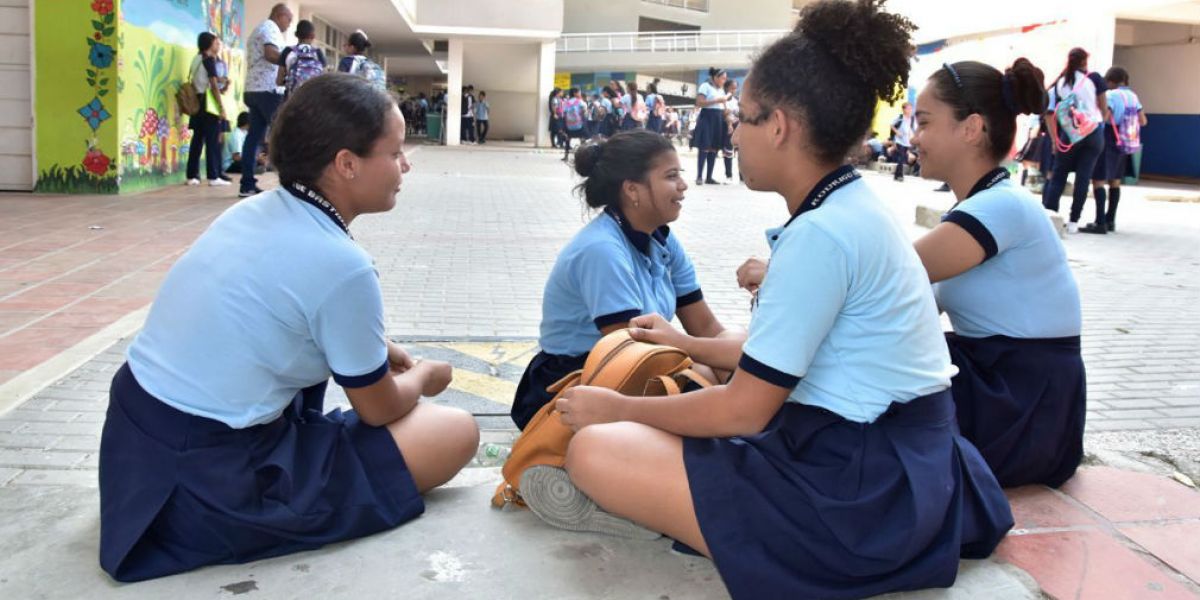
(1006,89)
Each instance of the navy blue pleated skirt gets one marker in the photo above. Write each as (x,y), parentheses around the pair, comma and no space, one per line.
(816,506)
(179,491)
(1022,402)
(710,130)
(542,372)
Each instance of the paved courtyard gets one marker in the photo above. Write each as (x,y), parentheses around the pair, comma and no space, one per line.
(462,260)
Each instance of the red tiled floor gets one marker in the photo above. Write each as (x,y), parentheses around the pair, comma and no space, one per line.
(1176,543)
(1037,507)
(1089,564)
(1128,496)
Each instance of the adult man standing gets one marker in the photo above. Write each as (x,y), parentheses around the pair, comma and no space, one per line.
(262,95)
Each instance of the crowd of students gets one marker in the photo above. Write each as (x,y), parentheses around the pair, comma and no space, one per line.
(849,447)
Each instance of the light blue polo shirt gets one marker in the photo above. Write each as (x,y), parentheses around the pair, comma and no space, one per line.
(274,297)
(710,92)
(1024,288)
(609,273)
(845,317)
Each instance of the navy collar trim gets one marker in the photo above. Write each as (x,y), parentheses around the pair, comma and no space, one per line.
(640,240)
(988,181)
(835,180)
(311,196)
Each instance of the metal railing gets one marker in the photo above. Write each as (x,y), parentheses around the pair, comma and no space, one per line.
(668,41)
(696,5)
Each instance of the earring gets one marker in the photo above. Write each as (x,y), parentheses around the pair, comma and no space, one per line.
(636,203)
(352,176)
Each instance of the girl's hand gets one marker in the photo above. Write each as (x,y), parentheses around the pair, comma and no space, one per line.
(751,274)
(654,329)
(584,405)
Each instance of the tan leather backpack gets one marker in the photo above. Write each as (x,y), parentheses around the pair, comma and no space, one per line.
(617,362)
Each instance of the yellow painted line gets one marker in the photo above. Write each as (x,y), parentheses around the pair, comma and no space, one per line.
(484,386)
(494,353)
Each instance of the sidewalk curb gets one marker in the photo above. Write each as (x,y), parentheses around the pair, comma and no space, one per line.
(22,387)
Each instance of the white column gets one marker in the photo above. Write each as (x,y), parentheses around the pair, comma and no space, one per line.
(454,85)
(545,66)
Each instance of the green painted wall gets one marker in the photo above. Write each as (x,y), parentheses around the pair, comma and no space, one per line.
(107,73)
(75,45)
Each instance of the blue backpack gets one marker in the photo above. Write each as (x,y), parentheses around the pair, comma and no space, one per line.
(307,65)
(1073,123)
(367,69)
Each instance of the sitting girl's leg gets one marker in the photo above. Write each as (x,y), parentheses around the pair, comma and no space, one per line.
(655,494)
(436,441)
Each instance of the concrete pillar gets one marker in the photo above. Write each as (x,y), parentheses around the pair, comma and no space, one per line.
(454,85)
(545,66)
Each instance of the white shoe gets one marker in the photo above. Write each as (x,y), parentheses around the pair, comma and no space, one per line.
(193,182)
(1072,227)
(218,182)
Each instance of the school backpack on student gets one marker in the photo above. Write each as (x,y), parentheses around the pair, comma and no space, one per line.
(367,69)
(660,107)
(306,66)
(1074,123)
(1128,130)
(617,362)
(639,110)
(573,114)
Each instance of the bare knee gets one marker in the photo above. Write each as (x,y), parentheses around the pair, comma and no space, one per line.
(587,452)
(462,434)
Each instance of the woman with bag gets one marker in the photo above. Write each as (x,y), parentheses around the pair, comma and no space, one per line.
(1084,93)
(216,448)
(206,122)
(624,263)
(830,465)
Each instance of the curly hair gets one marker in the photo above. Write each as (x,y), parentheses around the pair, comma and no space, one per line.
(981,89)
(832,69)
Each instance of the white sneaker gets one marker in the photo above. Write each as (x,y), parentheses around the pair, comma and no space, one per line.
(1072,227)
(193,182)
(217,182)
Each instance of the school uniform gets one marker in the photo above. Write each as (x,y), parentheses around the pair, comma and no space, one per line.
(628,101)
(709,135)
(860,484)
(653,123)
(1021,390)
(608,273)
(215,449)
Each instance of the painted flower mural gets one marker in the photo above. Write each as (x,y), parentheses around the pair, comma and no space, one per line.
(96,163)
(101,55)
(129,134)
(94,113)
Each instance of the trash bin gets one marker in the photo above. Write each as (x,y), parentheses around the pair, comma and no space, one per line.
(433,126)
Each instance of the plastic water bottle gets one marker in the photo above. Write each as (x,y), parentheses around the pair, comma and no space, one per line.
(492,455)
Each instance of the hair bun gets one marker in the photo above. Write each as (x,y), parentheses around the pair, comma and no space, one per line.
(1028,92)
(866,40)
(586,158)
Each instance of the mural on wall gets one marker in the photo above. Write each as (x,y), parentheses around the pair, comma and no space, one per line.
(158,44)
(76,153)
(114,66)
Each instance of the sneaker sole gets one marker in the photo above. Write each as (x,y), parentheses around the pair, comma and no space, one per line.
(551,496)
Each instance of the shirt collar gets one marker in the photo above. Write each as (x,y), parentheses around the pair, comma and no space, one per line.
(990,179)
(828,184)
(640,240)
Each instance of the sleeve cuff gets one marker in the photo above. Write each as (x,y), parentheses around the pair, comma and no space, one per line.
(614,318)
(361,381)
(768,374)
(976,229)
(689,298)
